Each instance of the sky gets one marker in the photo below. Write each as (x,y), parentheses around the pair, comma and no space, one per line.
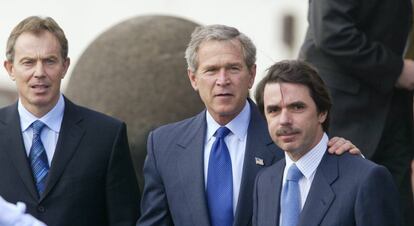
(84,20)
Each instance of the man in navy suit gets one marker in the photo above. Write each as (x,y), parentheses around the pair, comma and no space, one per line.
(221,68)
(327,189)
(69,165)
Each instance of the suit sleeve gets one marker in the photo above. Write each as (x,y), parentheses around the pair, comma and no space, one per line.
(377,200)
(122,191)
(154,204)
(335,33)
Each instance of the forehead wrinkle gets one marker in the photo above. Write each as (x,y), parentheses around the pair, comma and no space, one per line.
(282,96)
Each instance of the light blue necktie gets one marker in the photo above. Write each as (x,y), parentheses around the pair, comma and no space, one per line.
(291,204)
(220,182)
(38,157)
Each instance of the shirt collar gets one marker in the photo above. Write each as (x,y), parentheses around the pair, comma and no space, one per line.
(53,119)
(308,163)
(238,126)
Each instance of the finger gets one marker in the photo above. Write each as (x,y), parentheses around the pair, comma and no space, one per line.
(355,151)
(333,141)
(338,145)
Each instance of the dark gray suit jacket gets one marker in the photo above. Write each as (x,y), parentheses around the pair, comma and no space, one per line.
(357,47)
(174,192)
(347,190)
(91,181)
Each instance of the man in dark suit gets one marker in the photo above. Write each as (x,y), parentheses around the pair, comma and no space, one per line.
(311,187)
(357,47)
(177,189)
(68,164)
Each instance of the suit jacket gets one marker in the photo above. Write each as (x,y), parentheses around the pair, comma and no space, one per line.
(91,180)
(347,190)
(174,191)
(357,47)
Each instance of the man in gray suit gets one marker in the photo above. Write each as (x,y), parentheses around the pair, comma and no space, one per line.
(221,68)
(311,187)
(357,47)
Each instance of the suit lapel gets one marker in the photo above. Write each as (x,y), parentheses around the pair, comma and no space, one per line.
(271,202)
(258,145)
(69,138)
(320,194)
(190,162)
(12,138)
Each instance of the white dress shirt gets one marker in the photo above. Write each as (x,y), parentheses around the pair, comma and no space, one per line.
(307,164)
(50,133)
(236,143)
(14,215)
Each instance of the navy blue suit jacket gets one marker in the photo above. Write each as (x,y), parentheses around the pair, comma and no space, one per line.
(174,191)
(347,190)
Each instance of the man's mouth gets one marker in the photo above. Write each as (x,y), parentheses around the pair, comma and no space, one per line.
(39,87)
(224,95)
(287,132)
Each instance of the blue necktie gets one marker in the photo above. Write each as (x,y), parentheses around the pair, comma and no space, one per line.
(220,182)
(38,158)
(291,204)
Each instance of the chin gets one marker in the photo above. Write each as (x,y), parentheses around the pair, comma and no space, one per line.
(288,147)
(43,101)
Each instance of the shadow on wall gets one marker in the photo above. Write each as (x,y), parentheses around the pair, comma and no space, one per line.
(136,71)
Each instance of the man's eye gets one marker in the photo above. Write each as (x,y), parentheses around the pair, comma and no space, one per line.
(298,107)
(210,71)
(272,110)
(50,61)
(27,62)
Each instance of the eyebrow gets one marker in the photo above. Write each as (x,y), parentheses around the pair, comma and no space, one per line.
(42,58)
(272,107)
(225,65)
(297,103)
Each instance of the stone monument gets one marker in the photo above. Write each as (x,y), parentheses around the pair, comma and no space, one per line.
(136,71)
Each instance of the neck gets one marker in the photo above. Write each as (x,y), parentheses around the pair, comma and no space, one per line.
(40,110)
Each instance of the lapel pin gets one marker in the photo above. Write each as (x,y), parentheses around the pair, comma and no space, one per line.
(259,161)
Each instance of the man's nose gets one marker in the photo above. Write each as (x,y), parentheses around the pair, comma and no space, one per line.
(222,77)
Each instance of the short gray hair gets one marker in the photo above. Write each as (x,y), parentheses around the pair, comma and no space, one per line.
(218,33)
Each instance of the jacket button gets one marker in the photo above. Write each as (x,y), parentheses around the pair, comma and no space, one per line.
(41,209)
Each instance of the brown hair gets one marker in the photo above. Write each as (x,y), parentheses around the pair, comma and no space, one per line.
(37,25)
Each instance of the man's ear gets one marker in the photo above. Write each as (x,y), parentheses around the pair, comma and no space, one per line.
(8,65)
(252,73)
(66,64)
(193,79)
(322,117)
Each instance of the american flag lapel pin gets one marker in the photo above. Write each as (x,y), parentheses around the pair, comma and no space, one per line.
(259,161)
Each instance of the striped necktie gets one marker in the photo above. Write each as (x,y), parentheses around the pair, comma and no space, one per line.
(38,158)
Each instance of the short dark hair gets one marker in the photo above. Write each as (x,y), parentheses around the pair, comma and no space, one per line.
(298,72)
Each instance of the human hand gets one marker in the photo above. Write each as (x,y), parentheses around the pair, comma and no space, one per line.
(406,79)
(339,145)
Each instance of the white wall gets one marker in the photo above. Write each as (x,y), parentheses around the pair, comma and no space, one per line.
(84,20)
